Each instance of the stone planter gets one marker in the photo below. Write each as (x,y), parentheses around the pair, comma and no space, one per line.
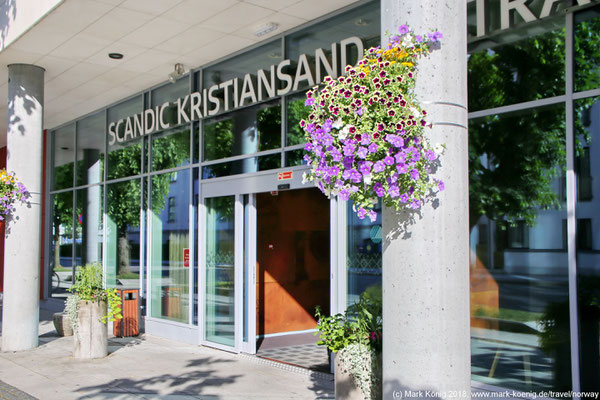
(345,385)
(62,324)
(91,337)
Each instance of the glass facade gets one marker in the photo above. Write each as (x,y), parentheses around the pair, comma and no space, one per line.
(523,149)
(144,213)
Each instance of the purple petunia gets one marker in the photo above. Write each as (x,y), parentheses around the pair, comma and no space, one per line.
(379,166)
(309,102)
(389,160)
(379,189)
(414,174)
(404,198)
(362,152)
(373,147)
(404,29)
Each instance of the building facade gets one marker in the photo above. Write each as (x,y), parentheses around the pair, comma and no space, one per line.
(191,191)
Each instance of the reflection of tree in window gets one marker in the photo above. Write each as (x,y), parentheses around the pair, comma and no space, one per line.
(268,123)
(296,111)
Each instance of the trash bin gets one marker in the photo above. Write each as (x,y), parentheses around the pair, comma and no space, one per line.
(129,325)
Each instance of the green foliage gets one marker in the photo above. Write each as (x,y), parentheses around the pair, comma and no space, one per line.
(361,323)
(89,287)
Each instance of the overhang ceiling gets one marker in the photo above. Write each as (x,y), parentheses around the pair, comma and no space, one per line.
(73,41)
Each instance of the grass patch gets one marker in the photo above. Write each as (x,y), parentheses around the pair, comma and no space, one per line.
(507,314)
(62,269)
(128,275)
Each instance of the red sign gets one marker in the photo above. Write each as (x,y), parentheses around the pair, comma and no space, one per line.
(282,176)
(186,258)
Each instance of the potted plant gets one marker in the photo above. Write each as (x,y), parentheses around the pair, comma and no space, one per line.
(354,338)
(11,192)
(89,309)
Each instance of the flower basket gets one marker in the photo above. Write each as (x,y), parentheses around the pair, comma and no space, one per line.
(12,192)
(365,134)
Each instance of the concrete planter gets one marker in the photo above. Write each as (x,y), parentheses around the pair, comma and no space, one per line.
(345,385)
(62,324)
(91,337)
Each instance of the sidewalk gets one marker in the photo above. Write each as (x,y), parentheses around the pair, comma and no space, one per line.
(148,367)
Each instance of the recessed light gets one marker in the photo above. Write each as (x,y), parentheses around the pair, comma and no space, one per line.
(115,56)
(64,148)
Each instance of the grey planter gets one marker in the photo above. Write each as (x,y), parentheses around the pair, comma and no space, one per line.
(91,338)
(62,324)
(345,387)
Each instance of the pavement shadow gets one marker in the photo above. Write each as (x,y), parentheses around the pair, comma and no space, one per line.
(192,383)
(323,388)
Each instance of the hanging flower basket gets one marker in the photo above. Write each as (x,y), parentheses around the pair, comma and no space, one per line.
(12,192)
(365,133)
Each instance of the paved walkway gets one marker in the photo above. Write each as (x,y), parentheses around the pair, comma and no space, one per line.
(149,368)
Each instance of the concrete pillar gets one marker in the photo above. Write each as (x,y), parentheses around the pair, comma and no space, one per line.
(245,140)
(91,211)
(426,343)
(20,308)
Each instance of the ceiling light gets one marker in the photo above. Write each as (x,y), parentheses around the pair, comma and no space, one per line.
(177,73)
(115,56)
(262,30)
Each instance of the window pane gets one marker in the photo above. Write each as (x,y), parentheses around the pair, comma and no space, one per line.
(169,244)
(91,134)
(61,250)
(294,158)
(587,128)
(64,157)
(296,111)
(88,223)
(518,269)
(125,158)
(171,148)
(587,49)
(123,234)
(246,165)
(246,131)
(245,68)
(517,67)
(364,255)
(363,22)
(220,277)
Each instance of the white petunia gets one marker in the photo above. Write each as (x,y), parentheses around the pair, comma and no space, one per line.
(438,148)
(337,124)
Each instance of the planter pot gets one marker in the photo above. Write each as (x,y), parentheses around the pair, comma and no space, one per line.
(62,324)
(91,337)
(345,385)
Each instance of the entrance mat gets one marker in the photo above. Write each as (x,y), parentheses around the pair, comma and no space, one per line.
(309,356)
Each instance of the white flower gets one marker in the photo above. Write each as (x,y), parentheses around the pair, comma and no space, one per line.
(337,124)
(439,148)
(367,179)
(407,42)
(305,178)
(415,112)
(344,132)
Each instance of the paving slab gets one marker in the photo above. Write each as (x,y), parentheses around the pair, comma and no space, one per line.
(148,367)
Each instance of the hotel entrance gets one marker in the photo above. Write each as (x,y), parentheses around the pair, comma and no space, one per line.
(265,261)
(293,274)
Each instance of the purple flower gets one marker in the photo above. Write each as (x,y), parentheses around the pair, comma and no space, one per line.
(349,149)
(359,111)
(404,29)
(418,38)
(394,191)
(344,194)
(373,148)
(415,204)
(414,174)
(404,198)
(372,216)
(401,168)
(379,166)
(380,127)
(308,146)
(355,176)
(365,167)
(362,152)
(379,189)
(441,186)
(430,155)
(389,160)
(309,102)
(348,161)
(361,213)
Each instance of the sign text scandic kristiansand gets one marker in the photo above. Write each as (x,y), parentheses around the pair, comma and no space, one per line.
(278,80)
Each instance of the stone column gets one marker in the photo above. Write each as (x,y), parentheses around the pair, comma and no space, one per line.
(20,308)
(426,339)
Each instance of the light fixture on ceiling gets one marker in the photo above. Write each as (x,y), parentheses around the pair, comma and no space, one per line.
(115,56)
(177,73)
(362,22)
(263,29)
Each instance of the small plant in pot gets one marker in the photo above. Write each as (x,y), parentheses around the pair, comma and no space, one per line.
(89,309)
(355,339)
